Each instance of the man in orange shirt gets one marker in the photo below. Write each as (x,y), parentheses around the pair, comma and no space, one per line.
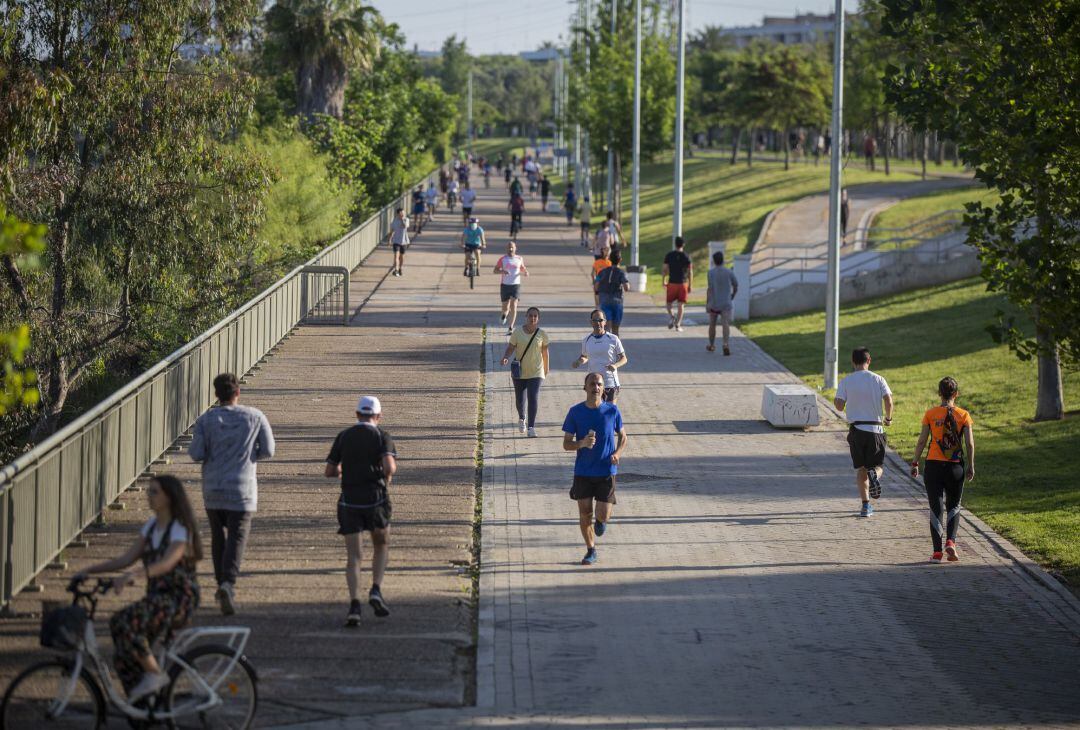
(599,264)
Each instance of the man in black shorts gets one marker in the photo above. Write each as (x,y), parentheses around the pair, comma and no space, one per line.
(860,395)
(594,429)
(365,459)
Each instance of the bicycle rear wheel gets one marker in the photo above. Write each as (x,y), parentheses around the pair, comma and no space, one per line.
(236,686)
(32,700)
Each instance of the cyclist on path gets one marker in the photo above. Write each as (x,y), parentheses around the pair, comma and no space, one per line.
(167,550)
(473,242)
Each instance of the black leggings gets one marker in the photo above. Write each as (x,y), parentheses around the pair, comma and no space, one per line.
(944,482)
(532,387)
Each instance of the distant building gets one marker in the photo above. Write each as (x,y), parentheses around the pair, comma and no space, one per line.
(806,28)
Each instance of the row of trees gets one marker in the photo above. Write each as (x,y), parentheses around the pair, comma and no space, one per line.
(174,157)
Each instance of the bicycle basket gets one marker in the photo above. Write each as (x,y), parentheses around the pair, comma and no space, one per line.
(62,628)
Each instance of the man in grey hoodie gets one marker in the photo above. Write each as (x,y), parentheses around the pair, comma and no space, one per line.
(228,440)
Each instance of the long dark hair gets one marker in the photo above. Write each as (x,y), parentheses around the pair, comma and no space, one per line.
(181,510)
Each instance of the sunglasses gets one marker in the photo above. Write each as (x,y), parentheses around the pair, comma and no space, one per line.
(598,321)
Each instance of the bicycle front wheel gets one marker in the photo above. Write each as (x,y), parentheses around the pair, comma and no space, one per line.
(234,683)
(35,699)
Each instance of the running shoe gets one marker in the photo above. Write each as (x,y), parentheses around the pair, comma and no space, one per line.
(150,684)
(678,328)
(936,557)
(502,319)
(727,350)
(710,348)
(590,557)
(951,552)
(521,426)
(352,618)
(600,528)
(509,331)
(225,598)
(532,432)
(376,601)
(866,510)
(671,322)
(875,483)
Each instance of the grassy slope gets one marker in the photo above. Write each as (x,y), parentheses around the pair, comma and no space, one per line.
(1025,485)
(916,209)
(715,191)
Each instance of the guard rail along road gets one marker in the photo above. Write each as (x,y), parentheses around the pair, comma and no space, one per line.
(51,493)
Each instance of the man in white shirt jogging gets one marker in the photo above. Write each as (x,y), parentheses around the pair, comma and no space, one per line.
(468,200)
(860,396)
(604,354)
(512,267)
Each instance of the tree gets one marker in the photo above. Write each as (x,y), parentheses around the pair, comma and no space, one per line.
(795,82)
(117,144)
(1001,80)
(323,41)
(20,242)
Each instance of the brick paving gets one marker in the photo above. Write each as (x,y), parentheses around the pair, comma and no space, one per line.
(736,586)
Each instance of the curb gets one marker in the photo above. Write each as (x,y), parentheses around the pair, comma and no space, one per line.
(766,226)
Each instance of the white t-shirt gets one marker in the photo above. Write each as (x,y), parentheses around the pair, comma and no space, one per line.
(603,351)
(468,197)
(399,231)
(178,533)
(453,187)
(862,392)
(511,268)
(432,195)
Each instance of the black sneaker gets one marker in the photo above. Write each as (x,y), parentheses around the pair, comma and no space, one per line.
(875,483)
(377,603)
(352,619)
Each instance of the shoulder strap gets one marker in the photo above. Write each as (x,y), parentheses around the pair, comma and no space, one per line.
(526,350)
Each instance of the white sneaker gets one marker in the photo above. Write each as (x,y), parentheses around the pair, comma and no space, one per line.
(521,426)
(502,319)
(532,433)
(150,684)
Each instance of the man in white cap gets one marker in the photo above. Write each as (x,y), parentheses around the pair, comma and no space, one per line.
(365,459)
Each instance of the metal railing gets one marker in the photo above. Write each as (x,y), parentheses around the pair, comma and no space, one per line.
(324,295)
(51,493)
(780,272)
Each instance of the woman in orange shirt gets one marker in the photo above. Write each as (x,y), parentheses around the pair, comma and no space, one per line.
(600,263)
(948,429)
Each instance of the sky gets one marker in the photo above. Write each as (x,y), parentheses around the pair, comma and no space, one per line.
(510,26)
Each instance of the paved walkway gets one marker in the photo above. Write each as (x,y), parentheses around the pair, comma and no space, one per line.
(736,586)
(806,222)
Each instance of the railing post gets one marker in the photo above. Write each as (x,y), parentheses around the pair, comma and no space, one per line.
(741,304)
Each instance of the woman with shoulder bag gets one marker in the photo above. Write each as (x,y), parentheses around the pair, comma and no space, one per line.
(948,429)
(529,346)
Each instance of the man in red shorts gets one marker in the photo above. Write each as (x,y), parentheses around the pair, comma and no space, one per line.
(679,272)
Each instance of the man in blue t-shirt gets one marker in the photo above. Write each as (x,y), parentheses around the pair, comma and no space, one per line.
(594,429)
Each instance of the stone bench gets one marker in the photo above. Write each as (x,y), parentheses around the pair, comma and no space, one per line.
(789,406)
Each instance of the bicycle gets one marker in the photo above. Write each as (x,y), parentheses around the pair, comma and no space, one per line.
(474,265)
(210,685)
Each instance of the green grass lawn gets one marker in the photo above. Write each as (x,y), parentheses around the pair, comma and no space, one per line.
(492,146)
(721,201)
(1025,484)
(919,208)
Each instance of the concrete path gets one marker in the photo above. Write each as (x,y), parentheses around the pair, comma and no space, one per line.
(806,222)
(736,586)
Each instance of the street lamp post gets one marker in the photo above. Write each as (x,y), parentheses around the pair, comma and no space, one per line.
(832,297)
(680,90)
(634,270)
(611,142)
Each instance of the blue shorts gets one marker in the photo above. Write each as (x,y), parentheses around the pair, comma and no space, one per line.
(612,309)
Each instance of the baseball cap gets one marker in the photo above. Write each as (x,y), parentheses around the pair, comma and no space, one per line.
(368,405)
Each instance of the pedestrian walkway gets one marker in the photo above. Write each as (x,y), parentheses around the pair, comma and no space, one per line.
(806,221)
(736,586)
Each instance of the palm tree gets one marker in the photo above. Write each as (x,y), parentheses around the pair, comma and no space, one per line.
(323,40)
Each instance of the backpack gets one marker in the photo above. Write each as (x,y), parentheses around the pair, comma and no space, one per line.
(949,443)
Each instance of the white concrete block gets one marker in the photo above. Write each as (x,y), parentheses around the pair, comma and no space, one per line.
(789,406)
(554,206)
